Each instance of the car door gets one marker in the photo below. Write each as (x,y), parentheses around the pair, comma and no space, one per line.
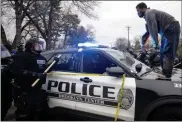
(59,83)
(99,94)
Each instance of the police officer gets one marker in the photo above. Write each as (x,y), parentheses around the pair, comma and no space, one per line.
(31,102)
(6,87)
(169,29)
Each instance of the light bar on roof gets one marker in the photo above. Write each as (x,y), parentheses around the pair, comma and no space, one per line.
(87,45)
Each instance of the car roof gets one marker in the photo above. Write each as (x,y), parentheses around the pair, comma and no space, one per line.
(72,50)
(60,50)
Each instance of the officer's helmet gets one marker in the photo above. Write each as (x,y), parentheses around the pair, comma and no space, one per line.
(35,45)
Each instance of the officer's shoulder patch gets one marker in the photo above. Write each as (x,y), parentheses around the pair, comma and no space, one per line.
(41,61)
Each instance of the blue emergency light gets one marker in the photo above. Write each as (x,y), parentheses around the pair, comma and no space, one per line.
(87,45)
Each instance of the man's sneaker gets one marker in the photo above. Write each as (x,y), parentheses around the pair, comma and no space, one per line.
(163,77)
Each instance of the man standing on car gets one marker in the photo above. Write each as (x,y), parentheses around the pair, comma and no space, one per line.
(169,29)
(27,66)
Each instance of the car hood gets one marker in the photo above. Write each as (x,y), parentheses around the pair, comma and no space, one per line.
(145,68)
(176,76)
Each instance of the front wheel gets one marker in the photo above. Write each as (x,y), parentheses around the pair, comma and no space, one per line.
(167,114)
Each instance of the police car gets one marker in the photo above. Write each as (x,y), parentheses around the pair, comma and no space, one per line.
(87,81)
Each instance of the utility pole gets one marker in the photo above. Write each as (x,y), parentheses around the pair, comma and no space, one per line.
(128,28)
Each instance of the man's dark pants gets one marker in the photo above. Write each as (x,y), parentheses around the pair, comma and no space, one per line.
(169,45)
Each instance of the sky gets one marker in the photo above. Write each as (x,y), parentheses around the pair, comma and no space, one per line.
(114,16)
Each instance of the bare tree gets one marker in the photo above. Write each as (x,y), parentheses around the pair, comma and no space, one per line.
(19,16)
(4,40)
(86,7)
(81,35)
(55,20)
(137,45)
(121,44)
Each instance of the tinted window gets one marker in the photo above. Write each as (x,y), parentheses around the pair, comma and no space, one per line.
(67,62)
(124,58)
(96,63)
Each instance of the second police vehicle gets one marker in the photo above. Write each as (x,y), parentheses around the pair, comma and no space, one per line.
(87,81)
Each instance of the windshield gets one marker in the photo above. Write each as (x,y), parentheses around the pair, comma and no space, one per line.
(126,59)
(122,57)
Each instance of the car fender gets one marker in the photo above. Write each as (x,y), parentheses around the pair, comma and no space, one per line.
(158,103)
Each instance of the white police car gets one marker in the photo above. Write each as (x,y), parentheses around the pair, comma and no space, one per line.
(87,81)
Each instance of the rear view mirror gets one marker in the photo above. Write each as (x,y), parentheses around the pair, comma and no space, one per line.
(138,68)
(115,71)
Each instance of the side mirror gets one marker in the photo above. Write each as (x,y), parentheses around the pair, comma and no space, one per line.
(115,71)
(138,68)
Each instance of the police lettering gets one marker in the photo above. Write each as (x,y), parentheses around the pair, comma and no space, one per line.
(91,90)
(51,84)
(106,92)
(66,87)
(73,89)
(60,88)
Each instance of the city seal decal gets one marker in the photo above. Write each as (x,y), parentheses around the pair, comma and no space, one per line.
(127,98)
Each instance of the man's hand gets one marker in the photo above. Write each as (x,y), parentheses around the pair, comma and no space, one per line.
(157,50)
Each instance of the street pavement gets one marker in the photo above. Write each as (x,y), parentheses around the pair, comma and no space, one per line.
(11,116)
(11,113)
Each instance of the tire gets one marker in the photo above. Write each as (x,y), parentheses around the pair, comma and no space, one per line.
(167,113)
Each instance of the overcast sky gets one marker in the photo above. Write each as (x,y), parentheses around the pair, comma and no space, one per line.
(114,16)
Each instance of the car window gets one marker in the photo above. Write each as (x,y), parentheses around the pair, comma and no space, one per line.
(124,58)
(50,58)
(96,63)
(69,62)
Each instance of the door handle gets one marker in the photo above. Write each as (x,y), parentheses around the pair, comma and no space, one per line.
(86,80)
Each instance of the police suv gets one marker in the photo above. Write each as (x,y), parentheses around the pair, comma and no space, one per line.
(87,81)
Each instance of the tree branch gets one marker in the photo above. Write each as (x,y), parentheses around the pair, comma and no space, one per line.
(33,22)
(25,25)
(28,5)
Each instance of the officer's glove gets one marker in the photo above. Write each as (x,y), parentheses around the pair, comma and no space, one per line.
(56,59)
(41,75)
